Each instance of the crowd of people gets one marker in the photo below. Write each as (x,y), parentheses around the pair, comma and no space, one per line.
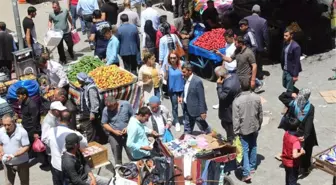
(163,71)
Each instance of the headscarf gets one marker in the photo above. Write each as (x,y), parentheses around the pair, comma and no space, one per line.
(302,104)
(84,77)
(149,30)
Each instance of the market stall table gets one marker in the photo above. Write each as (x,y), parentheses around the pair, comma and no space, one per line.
(326,161)
(205,60)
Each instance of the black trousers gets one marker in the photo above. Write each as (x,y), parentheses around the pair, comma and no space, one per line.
(57,176)
(228,127)
(259,65)
(292,175)
(68,40)
(306,158)
(130,63)
(89,128)
(180,7)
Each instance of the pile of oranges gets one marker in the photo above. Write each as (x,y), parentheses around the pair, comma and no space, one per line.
(110,77)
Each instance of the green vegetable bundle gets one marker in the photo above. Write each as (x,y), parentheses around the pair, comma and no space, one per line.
(85,64)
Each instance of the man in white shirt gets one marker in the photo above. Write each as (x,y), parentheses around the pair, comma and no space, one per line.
(161,119)
(56,142)
(230,49)
(54,70)
(14,146)
(150,14)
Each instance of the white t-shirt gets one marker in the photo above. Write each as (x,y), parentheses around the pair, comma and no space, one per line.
(230,49)
(56,142)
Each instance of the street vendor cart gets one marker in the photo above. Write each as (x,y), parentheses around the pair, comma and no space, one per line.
(205,61)
(326,161)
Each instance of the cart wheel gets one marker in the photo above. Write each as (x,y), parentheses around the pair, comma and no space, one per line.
(228,181)
(334,180)
(208,72)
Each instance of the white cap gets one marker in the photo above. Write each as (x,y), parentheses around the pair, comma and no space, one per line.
(256,8)
(57,105)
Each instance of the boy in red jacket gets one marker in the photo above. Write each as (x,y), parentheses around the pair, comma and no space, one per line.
(291,151)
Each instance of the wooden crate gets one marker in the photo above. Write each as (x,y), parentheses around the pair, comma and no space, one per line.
(97,158)
(323,165)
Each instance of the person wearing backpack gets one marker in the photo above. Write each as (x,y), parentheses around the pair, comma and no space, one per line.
(90,105)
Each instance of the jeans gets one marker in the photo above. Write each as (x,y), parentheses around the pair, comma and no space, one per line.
(75,16)
(249,144)
(22,170)
(292,175)
(68,40)
(157,92)
(87,19)
(190,122)
(57,176)
(288,83)
(174,102)
(117,143)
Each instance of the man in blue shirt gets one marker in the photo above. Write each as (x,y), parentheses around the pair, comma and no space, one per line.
(97,36)
(137,142)
(86,8)
(112,49)
(115,118)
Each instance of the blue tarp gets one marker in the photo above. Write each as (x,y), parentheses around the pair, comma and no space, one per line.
(195,50)
(31,85)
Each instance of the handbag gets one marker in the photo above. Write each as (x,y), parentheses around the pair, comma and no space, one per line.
(179,50)
(75,36)
(38,146)
(167,136)
(128,171)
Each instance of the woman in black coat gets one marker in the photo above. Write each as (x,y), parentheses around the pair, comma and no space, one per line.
(303,111)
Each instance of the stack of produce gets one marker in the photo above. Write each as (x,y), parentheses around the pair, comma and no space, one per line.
(211,40)
(109,77)
(3,88)
(28,77)
(85,64)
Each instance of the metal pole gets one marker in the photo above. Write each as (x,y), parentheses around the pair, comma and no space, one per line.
(17,23)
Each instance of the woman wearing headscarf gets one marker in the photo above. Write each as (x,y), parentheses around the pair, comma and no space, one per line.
(167,44)
(303,111)
(90,102)
(149,37)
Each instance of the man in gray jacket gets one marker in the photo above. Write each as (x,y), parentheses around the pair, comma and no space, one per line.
(247,117)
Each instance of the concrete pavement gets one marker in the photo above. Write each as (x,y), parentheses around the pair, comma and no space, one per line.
(316,70)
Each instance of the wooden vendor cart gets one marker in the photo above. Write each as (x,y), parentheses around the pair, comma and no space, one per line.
(325,165)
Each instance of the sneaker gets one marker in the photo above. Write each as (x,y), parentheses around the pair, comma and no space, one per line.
(215,106)
(177,127)
(259,88)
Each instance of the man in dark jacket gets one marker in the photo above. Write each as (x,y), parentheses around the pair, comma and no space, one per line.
(210,16)
(228,86)
(129,44)
(30,115)
(61,95)
(290,62)
(195,108)
(259,25)
(6,48)
(74,166)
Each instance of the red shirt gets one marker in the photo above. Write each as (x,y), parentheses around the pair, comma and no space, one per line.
(74,2)
(290,142)
(173,30)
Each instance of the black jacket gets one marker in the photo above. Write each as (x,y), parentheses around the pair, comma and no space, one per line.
(306,128)
(226,94)
(75,169)
(31,116)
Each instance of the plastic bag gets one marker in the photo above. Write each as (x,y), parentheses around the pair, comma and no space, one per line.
(167,136)
(38,146)
(238,145)
(75,36)
(31,85)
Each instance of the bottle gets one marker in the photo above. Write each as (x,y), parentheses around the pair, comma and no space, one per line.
(222,175)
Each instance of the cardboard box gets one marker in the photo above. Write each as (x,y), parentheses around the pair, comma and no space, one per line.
(98,158)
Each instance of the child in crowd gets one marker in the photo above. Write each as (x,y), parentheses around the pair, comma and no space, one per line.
(291,151)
